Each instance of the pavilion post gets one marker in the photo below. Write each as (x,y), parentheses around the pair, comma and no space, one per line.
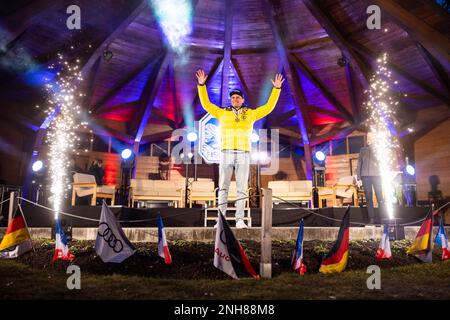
(266,234)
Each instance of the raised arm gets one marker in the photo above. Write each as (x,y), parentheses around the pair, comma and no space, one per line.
(210,107)
(264,110)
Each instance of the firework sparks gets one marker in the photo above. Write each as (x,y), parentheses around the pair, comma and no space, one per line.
(381,109)
(61,135)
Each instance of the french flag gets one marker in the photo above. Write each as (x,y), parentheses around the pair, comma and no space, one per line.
(163,248)
(442,240)
(61,245)
(384,249)
(299,266)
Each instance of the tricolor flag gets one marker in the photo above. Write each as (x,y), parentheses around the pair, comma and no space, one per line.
(336,259)
(422,245)
(298,264)
(442,240)
(384,249)
(163,247)
(229,256)
(17,239)
(61,244)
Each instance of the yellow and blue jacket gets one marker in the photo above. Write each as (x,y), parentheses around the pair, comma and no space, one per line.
(236,127)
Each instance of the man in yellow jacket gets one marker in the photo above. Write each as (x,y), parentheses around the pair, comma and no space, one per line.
(236,126)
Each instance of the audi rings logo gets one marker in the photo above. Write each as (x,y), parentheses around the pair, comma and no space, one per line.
(105,232)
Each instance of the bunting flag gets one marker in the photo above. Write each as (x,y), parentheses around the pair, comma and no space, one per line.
(16,233)
(298,264)
(442,241)
(336,259)
(163,247)
(61,244)
(422,247)
(229,256)
(384,249)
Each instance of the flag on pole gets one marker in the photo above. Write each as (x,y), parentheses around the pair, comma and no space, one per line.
(442,241)
(384,249)
(229,256)
(61,244)
(163,247)
(336,259)
(16,251)
(112,245)
(16,240)
(422,246)
(298,264)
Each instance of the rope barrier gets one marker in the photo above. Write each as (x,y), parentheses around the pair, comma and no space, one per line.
(295,206)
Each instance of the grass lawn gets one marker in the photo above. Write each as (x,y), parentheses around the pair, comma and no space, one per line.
(144,276)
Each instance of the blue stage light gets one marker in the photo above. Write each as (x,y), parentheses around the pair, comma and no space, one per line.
(192,136)
(126,153)
(37,166)
(254,137)
(410,170)
(320,156)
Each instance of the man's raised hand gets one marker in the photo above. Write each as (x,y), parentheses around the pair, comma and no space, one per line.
(201,77)
(278,80)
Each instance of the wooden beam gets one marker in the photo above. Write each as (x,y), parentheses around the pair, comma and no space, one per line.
(435,42)
(118,86)
(291,76)
(211,74)
(143,5)
(372,56)
(226,53)
(147,99)
(175,103)
(289,114)
(156,137)
(240,79)
(352,92)
(294,84)
(331,28)
(420,128)
(337,133)
(319,84)
(90,84)
(19,22)
(437,69)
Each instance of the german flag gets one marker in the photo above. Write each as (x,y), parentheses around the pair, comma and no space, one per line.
(16,233)
(336,259)
(422,245)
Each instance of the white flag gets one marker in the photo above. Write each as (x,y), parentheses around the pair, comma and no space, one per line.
(112,245)
(16,250)
(229,256)
(222,258)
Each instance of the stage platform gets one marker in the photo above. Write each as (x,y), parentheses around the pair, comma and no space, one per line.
(208,234)
(194,217)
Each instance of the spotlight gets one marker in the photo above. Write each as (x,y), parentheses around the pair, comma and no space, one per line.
(410,170)
(37,166)
(190,155)
(107,55)
(254,137)
(192,136)
(320,156)
(342,62)
(126,153)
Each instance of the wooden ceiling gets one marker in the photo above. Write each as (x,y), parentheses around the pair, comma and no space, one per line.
(246,42)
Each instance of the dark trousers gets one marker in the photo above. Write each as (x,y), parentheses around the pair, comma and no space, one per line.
(368,183)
